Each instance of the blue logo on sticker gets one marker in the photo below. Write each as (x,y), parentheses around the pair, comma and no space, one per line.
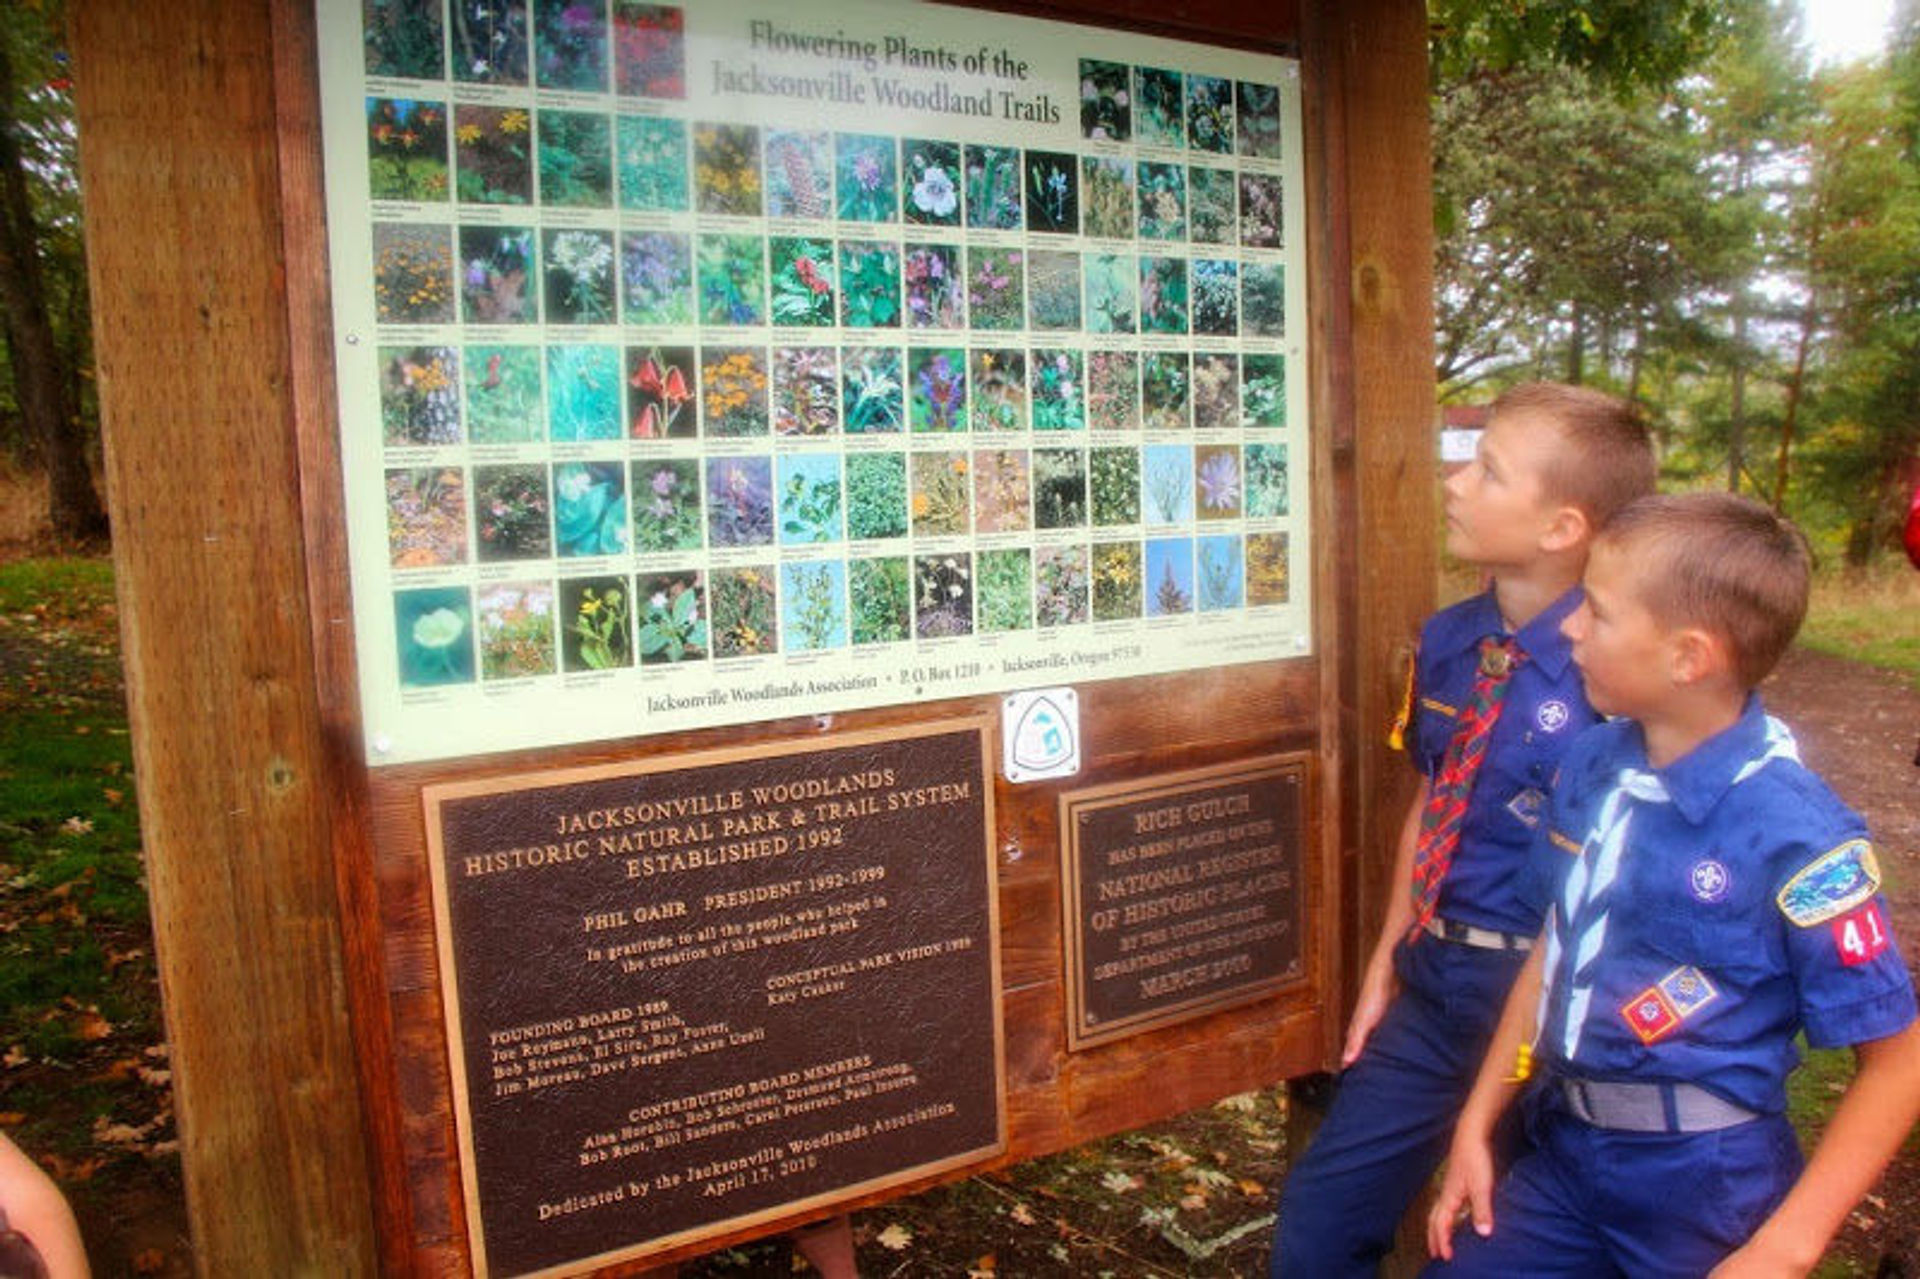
(1687,989)
(1832,885)
(1709,880)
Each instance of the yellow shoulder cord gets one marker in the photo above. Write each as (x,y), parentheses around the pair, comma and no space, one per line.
(1397,734)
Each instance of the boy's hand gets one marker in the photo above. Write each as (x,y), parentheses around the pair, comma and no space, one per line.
(1467,1189)
(1377,990)
(1756,1259)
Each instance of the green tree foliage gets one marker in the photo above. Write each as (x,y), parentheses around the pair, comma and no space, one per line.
(1700,221)
(1626,45)
(1569,221)
(1863,237)
(45,407)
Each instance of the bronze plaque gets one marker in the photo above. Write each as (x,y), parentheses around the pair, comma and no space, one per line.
(1182,895)
(697,992)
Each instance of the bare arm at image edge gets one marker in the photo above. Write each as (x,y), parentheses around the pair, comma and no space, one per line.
(36,1209)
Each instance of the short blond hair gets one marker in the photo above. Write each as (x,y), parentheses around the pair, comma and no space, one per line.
(1721,562)
(1607,460)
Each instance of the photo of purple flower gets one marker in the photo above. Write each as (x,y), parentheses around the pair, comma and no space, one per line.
(1216,481)
(570,45)
(740,501)
(866,178)
(939,391)
(934,287)
(656,278)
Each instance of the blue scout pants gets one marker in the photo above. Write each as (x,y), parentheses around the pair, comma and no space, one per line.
(1589,1203)
(1393,1113)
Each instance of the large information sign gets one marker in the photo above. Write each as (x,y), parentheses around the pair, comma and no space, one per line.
(712,363)
(1182,895)
(692,994)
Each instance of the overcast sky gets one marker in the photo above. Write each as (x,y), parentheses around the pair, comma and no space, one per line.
(1843,30)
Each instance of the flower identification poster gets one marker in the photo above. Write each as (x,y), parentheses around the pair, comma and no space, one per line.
(716,363)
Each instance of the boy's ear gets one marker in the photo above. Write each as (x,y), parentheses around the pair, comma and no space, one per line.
(1696,654)
(1566,529)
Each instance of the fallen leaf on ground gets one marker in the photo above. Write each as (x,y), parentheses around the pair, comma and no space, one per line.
(1119,1182)
(72,1170)
(894,1238)
(77,826)
(1022,1214)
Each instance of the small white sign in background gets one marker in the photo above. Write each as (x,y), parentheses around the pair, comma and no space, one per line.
(1040,734)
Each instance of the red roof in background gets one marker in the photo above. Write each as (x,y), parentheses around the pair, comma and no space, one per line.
(1464,416)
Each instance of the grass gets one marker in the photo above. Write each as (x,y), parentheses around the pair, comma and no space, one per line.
(81,1046)
(1870,615)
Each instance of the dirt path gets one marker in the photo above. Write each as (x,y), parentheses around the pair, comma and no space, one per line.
(1858,727)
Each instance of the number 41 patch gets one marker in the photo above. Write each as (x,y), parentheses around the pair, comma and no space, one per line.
(1860,935)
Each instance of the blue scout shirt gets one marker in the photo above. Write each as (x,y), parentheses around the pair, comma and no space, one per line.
(1545,708)
(1744,908)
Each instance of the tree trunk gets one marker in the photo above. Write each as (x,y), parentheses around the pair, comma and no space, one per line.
(1577,349)
(1636,359)
(1737,411)
(40,377)
(1795,389)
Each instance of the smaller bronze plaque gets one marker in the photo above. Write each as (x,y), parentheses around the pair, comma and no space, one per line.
(1182,895)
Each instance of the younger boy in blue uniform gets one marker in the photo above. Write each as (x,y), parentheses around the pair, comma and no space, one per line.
(1554,462)
(1710,899)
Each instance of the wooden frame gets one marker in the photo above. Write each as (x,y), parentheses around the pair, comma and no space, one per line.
(289,886)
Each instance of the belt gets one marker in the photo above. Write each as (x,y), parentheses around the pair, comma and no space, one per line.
(1649,1107)
(1483,938)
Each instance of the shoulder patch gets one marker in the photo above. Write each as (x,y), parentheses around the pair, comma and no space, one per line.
(1832,884)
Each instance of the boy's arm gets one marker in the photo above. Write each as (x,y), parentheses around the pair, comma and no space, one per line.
(1469,1180)
(36,1208)
(1869,1124)
(1377,984)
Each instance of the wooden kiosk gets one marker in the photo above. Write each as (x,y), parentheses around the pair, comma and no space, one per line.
(719,789)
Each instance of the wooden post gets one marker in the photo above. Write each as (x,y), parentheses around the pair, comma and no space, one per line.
(181,180)
(1368,83)
(1372,54)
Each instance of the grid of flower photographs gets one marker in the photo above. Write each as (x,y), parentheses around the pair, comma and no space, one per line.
(656,389)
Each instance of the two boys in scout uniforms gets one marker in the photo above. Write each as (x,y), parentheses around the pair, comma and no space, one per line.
(1494,701)
(1709,899)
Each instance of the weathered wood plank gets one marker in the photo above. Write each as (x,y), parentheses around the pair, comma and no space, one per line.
(181,182)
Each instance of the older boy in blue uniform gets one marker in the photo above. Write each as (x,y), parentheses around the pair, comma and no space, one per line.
(1493,701)
(1710,899)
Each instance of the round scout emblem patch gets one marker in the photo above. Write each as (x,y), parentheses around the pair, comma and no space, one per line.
(1709,880)
(1551,716)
